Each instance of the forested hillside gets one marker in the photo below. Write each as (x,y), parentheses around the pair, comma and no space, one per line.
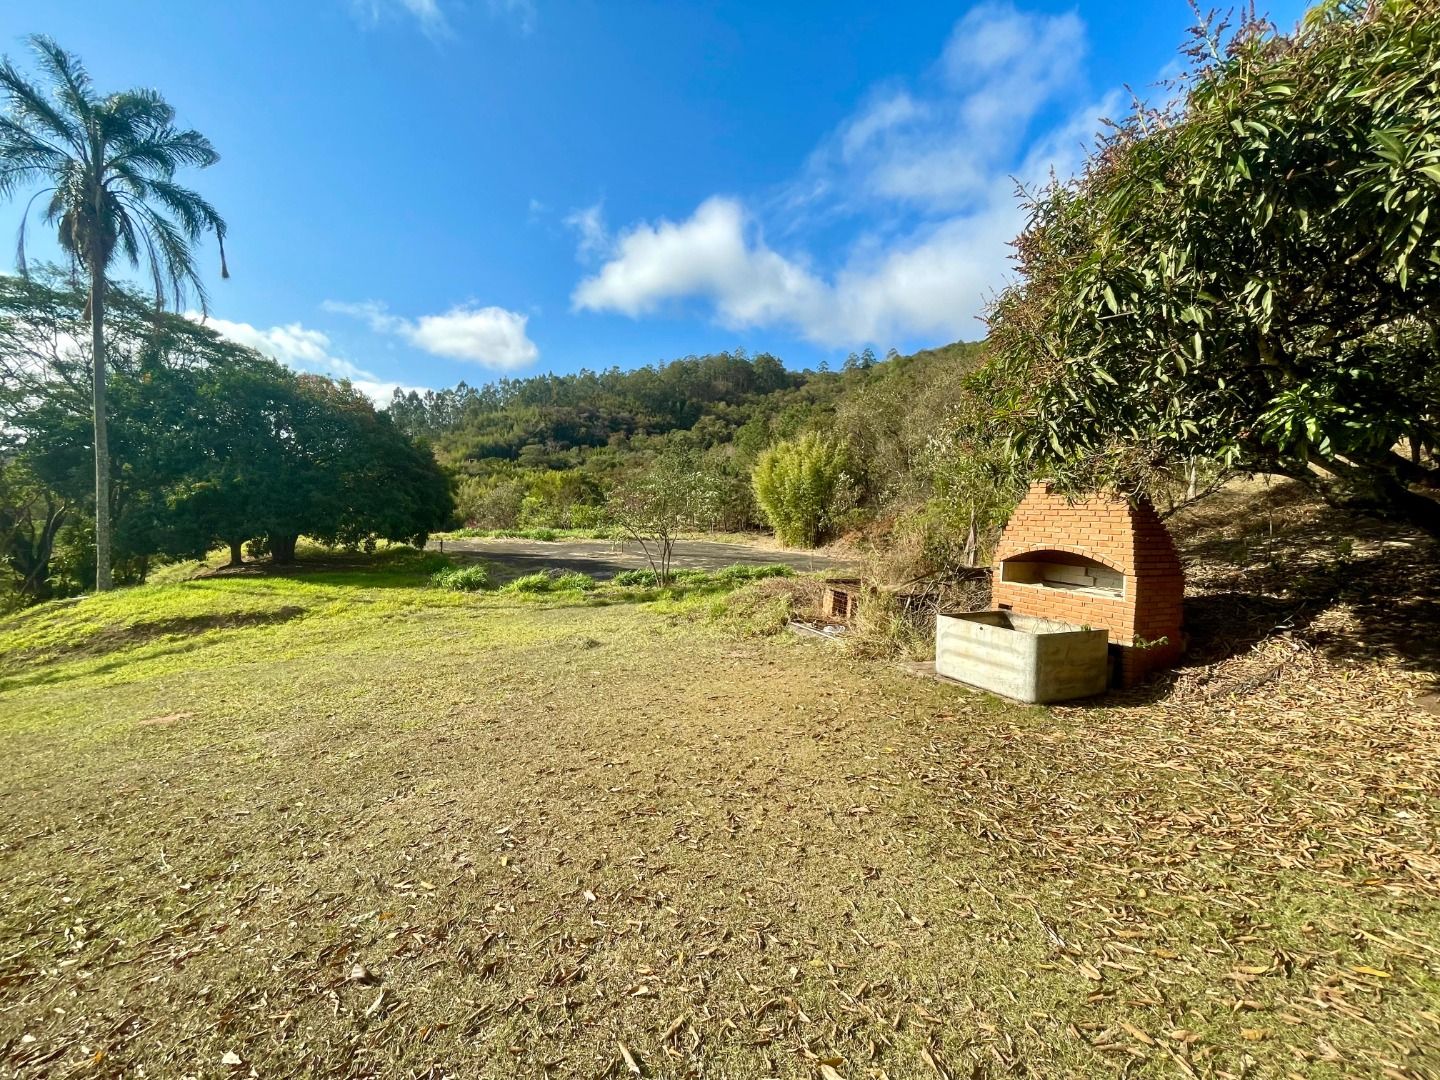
(545,451)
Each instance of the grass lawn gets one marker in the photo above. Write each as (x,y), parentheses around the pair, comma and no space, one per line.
(341,823)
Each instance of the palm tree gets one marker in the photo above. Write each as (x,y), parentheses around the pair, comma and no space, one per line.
(107,166)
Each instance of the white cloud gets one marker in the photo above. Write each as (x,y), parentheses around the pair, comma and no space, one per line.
(932,284)
(430,16)
(709,254)
(932,167)
(880,116)
(490,336)
(381,392)
(427,13)
(302,349)
(294,345)
(940,147)
(592,237)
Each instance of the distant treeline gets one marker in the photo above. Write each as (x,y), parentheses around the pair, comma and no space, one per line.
(588,408)
(546,451)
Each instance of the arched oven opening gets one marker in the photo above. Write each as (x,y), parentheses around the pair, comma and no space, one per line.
(1065,571)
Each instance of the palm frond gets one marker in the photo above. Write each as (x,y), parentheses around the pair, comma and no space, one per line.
(18,177)
(108,166)
(171,244)
(126,238)
(130,239)
(74,90)
(27,102)
(20,144)
(135,114)
(20,263)
(194,214)
(166,150)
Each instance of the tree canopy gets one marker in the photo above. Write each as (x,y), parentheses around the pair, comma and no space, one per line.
(213,443)
(1250,275)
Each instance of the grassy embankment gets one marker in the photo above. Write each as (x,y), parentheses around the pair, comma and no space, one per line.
(567,830)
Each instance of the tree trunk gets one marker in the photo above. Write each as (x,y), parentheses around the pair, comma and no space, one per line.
(35,582)
(1369,490)
(237,552)
(103,580)
(282,548)
(1412,508)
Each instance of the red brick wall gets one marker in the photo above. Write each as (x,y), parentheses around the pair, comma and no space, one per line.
(1130,539)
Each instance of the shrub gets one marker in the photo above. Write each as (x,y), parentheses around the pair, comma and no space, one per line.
(546,535)
(574,579)
(561,499)
(736,574)
(644,578)
(489,504)
(766,607)
(803,489)
(472,578)
(537,582)
(885,628)
(742,572)
(543,581)
(676,492)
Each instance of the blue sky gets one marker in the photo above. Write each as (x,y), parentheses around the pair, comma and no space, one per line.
(424,191)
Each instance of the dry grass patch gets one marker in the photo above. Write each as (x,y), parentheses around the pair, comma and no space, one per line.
(419,833)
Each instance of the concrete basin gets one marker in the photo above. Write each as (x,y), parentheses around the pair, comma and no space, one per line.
(1020,656)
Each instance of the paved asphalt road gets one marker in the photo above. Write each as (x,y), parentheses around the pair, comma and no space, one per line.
(606,558)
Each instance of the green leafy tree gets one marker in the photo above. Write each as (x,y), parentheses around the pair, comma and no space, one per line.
(675,493)
(1250,277)
(213,442)
(105,167)
(490,503)
(561,499)
(803,487)
(341,473)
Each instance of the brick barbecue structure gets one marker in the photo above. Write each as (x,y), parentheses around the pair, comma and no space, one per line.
(1100,562)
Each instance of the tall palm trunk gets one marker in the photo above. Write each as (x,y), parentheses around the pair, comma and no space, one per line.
(102,443)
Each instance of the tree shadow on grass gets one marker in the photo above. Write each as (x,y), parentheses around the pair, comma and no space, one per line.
(1352,588)
(38,667)
(1349,587)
